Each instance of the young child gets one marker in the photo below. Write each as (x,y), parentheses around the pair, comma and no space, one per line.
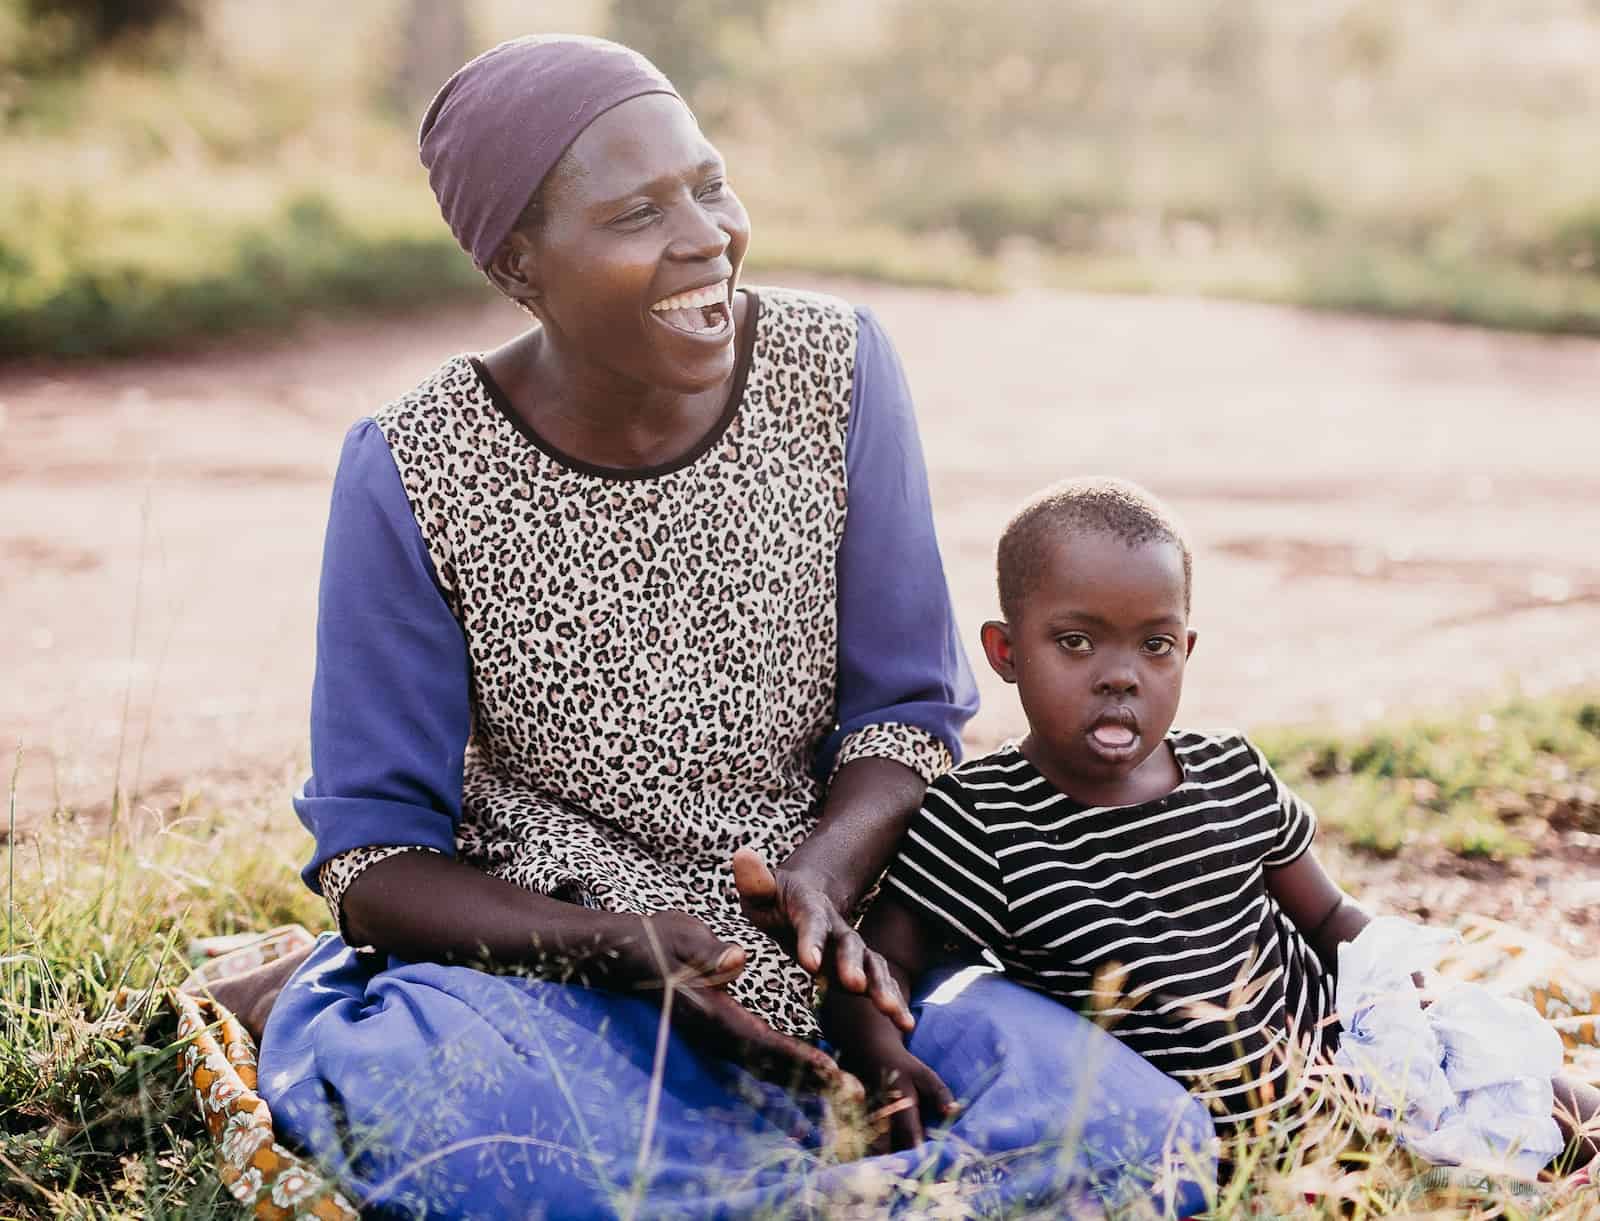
(1160,877)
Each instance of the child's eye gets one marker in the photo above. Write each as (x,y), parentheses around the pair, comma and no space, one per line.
(1159,646)
(1075,642)
(713,190)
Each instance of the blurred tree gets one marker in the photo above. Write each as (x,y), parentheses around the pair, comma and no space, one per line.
(68,31)
(695,42)
(433,45)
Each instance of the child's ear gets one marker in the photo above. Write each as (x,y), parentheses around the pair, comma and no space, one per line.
(1189,648)
(513,267)
(996,636)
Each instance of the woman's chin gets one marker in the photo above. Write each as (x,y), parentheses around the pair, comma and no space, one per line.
(700,376)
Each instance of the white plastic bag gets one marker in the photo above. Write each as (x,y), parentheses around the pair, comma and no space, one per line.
(1487,1039)
(1507,1128)
(1397,1060)
(1386,1039)
(1467,1080)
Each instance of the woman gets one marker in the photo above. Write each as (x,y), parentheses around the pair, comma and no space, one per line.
(649,591)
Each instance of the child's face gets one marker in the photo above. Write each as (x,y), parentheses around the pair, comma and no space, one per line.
(1097,651)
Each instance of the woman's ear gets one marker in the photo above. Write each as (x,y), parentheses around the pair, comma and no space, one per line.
(996,636)
(513,269)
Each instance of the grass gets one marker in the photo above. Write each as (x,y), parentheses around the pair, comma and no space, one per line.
(1495,784)
(93,1122)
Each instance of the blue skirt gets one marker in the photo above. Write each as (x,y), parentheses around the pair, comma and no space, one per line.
(448,1092)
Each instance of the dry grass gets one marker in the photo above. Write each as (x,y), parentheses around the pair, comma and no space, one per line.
(92,1123)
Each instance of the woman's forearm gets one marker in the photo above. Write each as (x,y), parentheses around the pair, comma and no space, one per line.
(868,808)
(426,907)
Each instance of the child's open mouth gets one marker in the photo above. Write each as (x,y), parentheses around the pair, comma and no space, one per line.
(701,311)
(1114,738)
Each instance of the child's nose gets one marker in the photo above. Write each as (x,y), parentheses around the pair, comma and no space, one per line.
(1118,680)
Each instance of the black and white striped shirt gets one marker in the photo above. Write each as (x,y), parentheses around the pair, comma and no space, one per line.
(1165,903)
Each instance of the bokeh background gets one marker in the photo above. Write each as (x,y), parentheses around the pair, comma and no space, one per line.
(175,167)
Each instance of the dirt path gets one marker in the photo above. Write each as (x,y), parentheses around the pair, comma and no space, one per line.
(1387,515)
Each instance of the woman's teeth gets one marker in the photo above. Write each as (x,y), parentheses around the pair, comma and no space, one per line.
(712,294)
(704,311)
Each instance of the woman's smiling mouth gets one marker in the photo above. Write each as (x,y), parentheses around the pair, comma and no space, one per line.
(700,311)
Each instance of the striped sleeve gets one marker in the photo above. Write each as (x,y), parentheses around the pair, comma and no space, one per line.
(1297,821)
(947,872)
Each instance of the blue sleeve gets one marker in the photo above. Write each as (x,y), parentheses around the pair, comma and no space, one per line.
(390,704)
(900,654)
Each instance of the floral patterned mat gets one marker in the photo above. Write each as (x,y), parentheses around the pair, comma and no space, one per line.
(219,1064)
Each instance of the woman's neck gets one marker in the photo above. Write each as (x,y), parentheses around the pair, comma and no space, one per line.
(597,416)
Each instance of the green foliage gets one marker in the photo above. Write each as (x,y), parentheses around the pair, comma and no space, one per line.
(57,34)
(102,22)
(1351,157)
(694,42)
(305,257)
(1495,784)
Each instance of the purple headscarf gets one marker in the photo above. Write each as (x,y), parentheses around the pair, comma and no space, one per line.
(501,123)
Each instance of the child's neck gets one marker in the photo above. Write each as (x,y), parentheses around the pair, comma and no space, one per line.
(1156,776)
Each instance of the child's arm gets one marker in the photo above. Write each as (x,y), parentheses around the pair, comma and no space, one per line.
(872,1043)
(1296,880)
(1323,913)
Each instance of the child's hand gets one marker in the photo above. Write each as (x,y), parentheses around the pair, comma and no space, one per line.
(803,920)
(906,1094)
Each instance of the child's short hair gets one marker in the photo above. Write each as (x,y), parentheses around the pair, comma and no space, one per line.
(1116,507)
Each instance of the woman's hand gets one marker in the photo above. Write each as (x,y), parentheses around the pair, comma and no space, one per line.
(475,917)
(670,946)
(797,914)
(675,950)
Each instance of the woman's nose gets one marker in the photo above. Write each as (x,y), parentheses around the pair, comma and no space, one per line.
(699,235)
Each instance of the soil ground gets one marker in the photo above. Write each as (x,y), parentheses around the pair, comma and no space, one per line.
(1386,516)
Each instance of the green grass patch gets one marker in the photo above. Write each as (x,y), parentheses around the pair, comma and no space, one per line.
(885,256)
(1493,783)
(92,1120)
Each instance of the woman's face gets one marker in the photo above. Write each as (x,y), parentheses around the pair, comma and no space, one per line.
(637,253)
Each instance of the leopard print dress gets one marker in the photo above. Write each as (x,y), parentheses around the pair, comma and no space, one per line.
(653,655)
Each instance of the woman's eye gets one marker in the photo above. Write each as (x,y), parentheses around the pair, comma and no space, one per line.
(637,216)
(713,190)
(1159,646)
(1075,642)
